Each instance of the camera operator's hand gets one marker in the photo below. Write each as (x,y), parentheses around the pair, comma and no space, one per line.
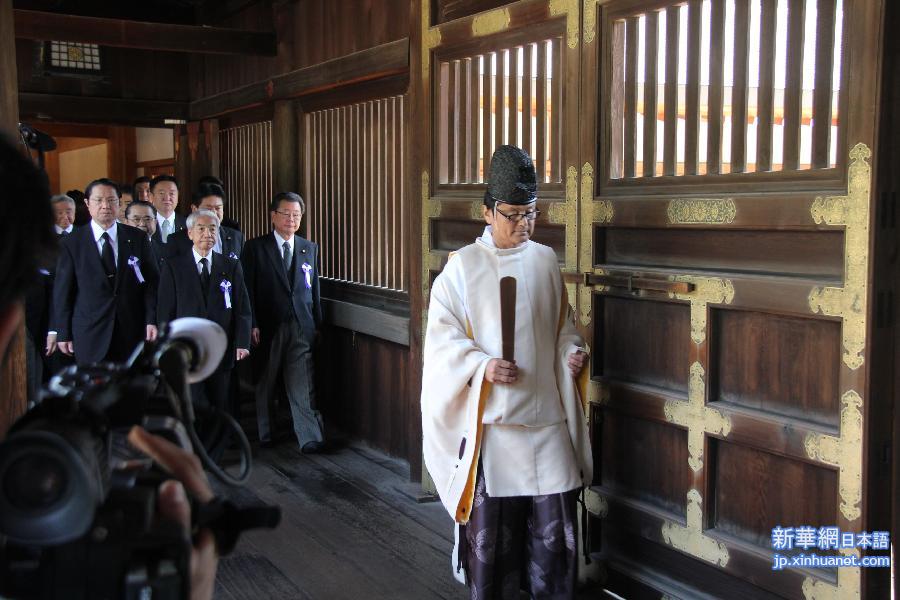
(242,353)
(51,344)
(254,336)
(67,348)
(151,333)
(173,503)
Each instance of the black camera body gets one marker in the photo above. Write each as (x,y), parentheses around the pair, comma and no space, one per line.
(78,504)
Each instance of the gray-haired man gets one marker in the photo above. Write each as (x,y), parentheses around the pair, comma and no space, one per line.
(206,284)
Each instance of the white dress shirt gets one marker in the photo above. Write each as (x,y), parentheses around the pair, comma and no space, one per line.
(280,241)
(112,231)
(197,258)
(161,219)
(60,230)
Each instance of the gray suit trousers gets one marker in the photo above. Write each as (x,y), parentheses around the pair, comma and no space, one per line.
(289,372)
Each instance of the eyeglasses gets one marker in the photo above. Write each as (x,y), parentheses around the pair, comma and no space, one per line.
(290,215)
(516,217)
(141,219)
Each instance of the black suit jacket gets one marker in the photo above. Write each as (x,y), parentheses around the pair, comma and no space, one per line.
(180,225)
(159,250)
(273,298)
(38,303)
(180,295)
(180,243)
(86,303)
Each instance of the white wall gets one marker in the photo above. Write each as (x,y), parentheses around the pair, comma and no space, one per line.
(79,167)
(154,144)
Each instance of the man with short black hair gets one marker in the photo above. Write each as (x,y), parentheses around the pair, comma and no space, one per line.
(283,283)
(213,180)
(141,187)
(126,197)
(104,297)
(164,190)
(143,216)
(229,241)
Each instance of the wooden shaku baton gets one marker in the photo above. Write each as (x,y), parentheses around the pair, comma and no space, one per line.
(508,316)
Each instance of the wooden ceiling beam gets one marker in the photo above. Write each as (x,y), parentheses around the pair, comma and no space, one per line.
(39,25)
(380,62)
(89,109)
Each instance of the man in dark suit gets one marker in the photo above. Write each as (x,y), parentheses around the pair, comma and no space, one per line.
(40,303)
(213,180)
(141,187)
(283,283)
(229,242)
(164,191)
(142,215)
(104,296)
(205,284)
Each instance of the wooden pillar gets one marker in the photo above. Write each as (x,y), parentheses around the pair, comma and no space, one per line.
(416,132)
(196,155)
(12,370)
(285,154)
(121,153)
(9,86)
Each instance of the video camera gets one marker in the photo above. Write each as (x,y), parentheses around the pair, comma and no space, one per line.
(78,514)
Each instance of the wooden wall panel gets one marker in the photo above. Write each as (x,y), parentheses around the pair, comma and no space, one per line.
(637,461)
(734,250)
(362,390)
(309,33)
(127,73)
(448,10)
(631,349)
(776,363)
(754,491)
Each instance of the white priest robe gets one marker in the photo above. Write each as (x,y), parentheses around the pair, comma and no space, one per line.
(531,436)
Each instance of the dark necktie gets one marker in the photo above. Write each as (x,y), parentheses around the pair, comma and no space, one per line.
(107,257)
(286,259)
(63,232)
(204,276)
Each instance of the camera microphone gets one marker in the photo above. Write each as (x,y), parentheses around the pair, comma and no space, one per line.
(203,342)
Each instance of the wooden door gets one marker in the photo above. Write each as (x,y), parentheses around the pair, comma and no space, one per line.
(724,249)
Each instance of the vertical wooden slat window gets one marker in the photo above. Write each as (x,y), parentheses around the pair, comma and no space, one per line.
(246,168)
(506,96)
(708,87)
(355,186)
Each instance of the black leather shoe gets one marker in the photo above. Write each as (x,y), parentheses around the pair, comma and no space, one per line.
(312,447)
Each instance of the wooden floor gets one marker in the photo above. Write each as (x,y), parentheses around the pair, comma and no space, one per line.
(349,529)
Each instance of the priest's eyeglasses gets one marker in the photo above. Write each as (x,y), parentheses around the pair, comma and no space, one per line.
(531,215)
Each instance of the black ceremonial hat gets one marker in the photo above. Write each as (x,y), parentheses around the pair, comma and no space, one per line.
(512,178)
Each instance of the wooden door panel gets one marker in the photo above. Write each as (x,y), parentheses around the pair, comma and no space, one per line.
(628,441)
(735,250)
(739,402)
(774,363)
(632,351)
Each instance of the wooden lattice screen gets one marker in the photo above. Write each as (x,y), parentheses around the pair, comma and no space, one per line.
(354,190)
(246,168)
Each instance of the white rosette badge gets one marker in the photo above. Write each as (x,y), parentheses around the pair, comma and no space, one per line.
(225,286)
(135,263)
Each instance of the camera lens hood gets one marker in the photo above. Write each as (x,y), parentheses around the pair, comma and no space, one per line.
(46,495)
